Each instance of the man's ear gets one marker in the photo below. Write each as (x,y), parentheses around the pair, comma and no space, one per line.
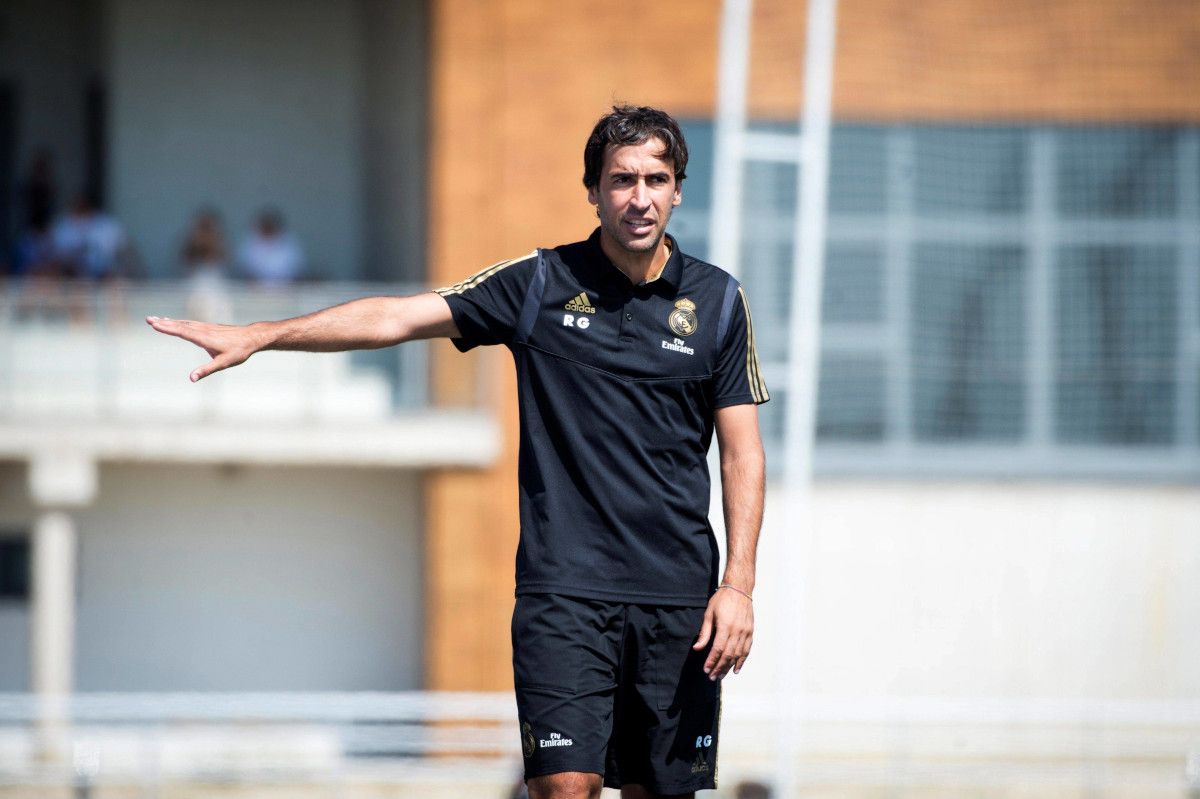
(593,195)
(678,198)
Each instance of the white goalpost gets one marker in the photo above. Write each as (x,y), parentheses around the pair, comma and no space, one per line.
(809,150)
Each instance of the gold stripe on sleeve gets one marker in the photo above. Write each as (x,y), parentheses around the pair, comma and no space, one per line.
(482,275)
(758,387)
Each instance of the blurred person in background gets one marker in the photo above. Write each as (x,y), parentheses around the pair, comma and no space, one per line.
(34,252)
(630,355)
(33,265)
(39,194)
(270,255)
(92,245)
(205,263)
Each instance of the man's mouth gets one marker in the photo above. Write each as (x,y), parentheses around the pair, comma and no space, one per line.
(639,227)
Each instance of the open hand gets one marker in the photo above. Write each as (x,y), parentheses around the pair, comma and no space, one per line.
(227,345)
(729,621)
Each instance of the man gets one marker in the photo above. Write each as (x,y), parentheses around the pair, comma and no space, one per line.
(628,354)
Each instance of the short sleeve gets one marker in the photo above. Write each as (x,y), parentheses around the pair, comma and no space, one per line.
(738,378)
(487,305)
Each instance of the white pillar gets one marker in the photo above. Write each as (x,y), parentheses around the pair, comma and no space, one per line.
(52,628)
(57,480)
(53,607)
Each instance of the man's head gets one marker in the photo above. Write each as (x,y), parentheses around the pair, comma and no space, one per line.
(634,164)
(628,124)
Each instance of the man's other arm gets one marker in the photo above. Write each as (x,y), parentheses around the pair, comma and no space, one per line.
(729,619)
(369,323)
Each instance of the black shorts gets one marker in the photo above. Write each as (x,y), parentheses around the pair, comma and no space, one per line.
(615,689)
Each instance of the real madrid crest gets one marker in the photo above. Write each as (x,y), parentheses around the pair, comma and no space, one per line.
(527,742)
(682,320)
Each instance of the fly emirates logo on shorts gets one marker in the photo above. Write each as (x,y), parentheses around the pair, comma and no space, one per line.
(555,740)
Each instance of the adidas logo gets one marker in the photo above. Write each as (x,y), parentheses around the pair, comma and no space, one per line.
(580,304)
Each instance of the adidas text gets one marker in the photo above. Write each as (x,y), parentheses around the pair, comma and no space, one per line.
(580,304)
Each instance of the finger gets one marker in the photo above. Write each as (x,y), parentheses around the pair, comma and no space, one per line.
(215,365)
(173,327)
(740,653)
(735,651)
(705,631)
(717,653)
(722,668)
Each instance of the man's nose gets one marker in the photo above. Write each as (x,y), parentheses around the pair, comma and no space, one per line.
(641,195)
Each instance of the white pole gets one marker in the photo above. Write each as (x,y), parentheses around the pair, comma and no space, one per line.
(52,625)
(725,220)
(804,350)
(725,215)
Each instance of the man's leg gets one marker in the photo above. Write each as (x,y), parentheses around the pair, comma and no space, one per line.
(638,792)
(566,785)
(665,729)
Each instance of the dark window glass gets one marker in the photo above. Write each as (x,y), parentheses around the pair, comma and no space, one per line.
(968,342)
(1117,172)
(970,170)
(857,169)
(1117,311)
(768,190)
(697,186)
(850,404)
(853,283)
(766,274)
(14,567)
(771,417)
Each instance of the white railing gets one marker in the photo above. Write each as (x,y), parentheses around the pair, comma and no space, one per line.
(77,351)
(467,744)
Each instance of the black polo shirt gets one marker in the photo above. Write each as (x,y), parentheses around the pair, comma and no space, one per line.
(618,384)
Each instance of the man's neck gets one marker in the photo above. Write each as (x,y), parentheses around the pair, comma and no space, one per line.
(639,267)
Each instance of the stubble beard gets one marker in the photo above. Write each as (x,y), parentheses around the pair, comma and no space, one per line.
(637,246)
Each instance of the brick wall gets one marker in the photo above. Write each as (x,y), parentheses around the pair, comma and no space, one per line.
(517,85)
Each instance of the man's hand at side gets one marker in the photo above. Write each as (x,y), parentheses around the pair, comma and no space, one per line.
(369,323)
(729,618)
(731,615)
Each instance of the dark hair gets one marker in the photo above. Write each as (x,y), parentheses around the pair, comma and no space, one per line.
(630,124)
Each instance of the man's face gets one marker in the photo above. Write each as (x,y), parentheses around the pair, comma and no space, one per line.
(635,195)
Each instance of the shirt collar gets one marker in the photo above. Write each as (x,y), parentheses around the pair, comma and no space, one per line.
(672,271)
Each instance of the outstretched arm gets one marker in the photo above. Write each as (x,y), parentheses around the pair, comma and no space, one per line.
(729,619)
(369,323)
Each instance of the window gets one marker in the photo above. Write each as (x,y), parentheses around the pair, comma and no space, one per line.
(1004,298)
(14,566)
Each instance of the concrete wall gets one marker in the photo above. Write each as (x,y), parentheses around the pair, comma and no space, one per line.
(224,578)
(238,105)
(209,578)
(1006,590)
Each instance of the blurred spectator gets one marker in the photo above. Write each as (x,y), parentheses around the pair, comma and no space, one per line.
(270,255)
(34,255)
(32,250)
(206,265)
(38,193)
(89,243)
